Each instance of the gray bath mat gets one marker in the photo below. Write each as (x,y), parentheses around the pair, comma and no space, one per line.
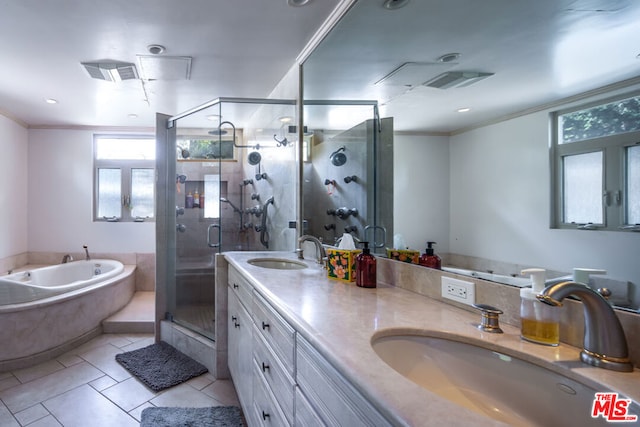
(216,416)
(160,365)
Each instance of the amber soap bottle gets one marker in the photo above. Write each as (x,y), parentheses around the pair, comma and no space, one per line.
(430,259)
(366,268)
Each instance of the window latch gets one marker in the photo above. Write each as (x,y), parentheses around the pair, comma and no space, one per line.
(585,226)
(630,227)
(111,218)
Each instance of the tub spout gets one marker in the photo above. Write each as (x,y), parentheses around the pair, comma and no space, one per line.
(67,258)
(86,251)
(605,345)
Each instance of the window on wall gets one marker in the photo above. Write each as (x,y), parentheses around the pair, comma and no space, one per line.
(596,166)
(124,178)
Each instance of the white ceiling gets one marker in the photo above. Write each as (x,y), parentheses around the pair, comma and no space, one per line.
(240,48)
(540,51)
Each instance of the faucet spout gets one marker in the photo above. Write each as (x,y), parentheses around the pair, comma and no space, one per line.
(605,345)
(322,254)
(86,251)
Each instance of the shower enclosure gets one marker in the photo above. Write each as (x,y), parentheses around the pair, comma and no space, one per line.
(229,169)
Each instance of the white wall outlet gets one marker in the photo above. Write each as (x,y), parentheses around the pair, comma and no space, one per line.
(459,290)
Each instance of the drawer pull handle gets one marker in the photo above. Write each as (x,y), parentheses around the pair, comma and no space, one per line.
(235,286)
(265,325)
(234,318)
(236,324)
(265,367)
(265,415)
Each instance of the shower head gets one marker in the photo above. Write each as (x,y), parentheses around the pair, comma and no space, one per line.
(338,158)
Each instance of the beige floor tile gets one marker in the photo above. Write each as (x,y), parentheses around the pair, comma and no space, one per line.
(100,341)
(84,406)
(8,382)
(48,421)
(69,359)
(129,394)
(201,381)
(23,396)
(6,419)
(137,412)
(183,395)
(104,358)
(103,383)
(38,371)
(31,414)
(223,391)
(138,344)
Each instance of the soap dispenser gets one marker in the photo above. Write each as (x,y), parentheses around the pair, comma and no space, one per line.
(429,259)
(366,268)
(540,322)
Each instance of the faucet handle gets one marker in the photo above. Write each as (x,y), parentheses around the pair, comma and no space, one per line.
(490,318)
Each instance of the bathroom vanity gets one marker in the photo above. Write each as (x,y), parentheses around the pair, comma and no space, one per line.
(303,351)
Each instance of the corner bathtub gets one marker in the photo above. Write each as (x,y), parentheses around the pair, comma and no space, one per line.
(46,311)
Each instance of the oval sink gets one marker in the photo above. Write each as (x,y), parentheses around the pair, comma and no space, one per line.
(494,384)
(277,263)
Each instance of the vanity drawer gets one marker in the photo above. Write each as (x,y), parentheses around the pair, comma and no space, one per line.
(274,374)
(265,409)
(240,286)
(276,331)
(306,416)
(334,399)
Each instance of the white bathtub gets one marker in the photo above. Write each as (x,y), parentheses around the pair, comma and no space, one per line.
(53,309)
(40,283)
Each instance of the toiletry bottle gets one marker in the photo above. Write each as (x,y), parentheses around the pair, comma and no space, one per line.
(366,268)
(540,322)
(196,199)
(188,201)
(581,275)
(429,259)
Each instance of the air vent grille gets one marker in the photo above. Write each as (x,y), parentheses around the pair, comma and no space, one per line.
(111,71)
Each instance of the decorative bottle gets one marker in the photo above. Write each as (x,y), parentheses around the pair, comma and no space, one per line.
(366,268)
(429,259)
(540,322)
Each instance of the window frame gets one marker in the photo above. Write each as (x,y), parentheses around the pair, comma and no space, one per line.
(126,166)
(614,148)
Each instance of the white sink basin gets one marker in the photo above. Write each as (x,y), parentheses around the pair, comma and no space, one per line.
(491,383)
(277,263)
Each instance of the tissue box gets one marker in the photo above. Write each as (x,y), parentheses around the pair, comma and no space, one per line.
(404,255)
(341,264)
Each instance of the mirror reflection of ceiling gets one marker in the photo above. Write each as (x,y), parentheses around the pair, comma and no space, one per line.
(538,51)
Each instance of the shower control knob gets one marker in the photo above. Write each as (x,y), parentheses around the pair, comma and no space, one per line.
(350,229)
(329,181)
(329,227)
(260,176)
(331,212)
(255,196)
(351,178)
(344,213)
(179,211)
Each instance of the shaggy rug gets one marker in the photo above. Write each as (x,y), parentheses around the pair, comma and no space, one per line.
(160,366)
(216,416)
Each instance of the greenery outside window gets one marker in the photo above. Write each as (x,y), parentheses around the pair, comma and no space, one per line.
(124,178)
(595,158)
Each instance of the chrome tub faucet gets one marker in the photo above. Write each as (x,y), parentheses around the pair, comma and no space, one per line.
(605,344)
(86,251)
(67,258)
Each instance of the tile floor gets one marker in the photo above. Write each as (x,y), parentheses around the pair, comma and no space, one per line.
(87,387)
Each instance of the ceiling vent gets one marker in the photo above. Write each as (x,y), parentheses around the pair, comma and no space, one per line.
(452,79)
(162,67)
(112,71)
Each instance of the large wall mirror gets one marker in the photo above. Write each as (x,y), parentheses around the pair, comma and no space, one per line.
(470,89)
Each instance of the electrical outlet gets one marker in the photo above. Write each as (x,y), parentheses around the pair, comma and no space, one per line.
(458,290)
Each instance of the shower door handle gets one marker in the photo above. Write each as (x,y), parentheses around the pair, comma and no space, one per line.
(213,245)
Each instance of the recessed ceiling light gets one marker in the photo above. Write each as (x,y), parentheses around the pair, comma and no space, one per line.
(286,119)
(133,116)
(297,2)
(155,49)
(449,57)
(394,4)
(213,117)
(51,101)
(463,110)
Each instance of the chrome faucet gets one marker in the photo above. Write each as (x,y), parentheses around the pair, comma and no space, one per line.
(322,254)
(86,251)
(67,258)
(605,345)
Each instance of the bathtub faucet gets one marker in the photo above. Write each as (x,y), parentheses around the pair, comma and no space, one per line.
(86,251)
(67,258)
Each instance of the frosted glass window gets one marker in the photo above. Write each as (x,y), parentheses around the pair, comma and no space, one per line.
(633,185)
(583,188)
(212,199)
(125,149)
(109,193)
(142,195)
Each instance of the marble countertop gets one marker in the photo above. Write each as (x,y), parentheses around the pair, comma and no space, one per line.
(340,319)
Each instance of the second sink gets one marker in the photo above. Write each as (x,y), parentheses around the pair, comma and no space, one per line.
(494,384)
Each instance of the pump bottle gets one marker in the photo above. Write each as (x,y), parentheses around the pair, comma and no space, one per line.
(429,259)
(366,268)
(540,322)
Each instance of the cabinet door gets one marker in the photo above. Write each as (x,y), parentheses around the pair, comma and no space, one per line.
(306,416)
(240,349)
(265,409)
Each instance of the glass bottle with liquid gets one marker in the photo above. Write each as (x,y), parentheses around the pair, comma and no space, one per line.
(540,322)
